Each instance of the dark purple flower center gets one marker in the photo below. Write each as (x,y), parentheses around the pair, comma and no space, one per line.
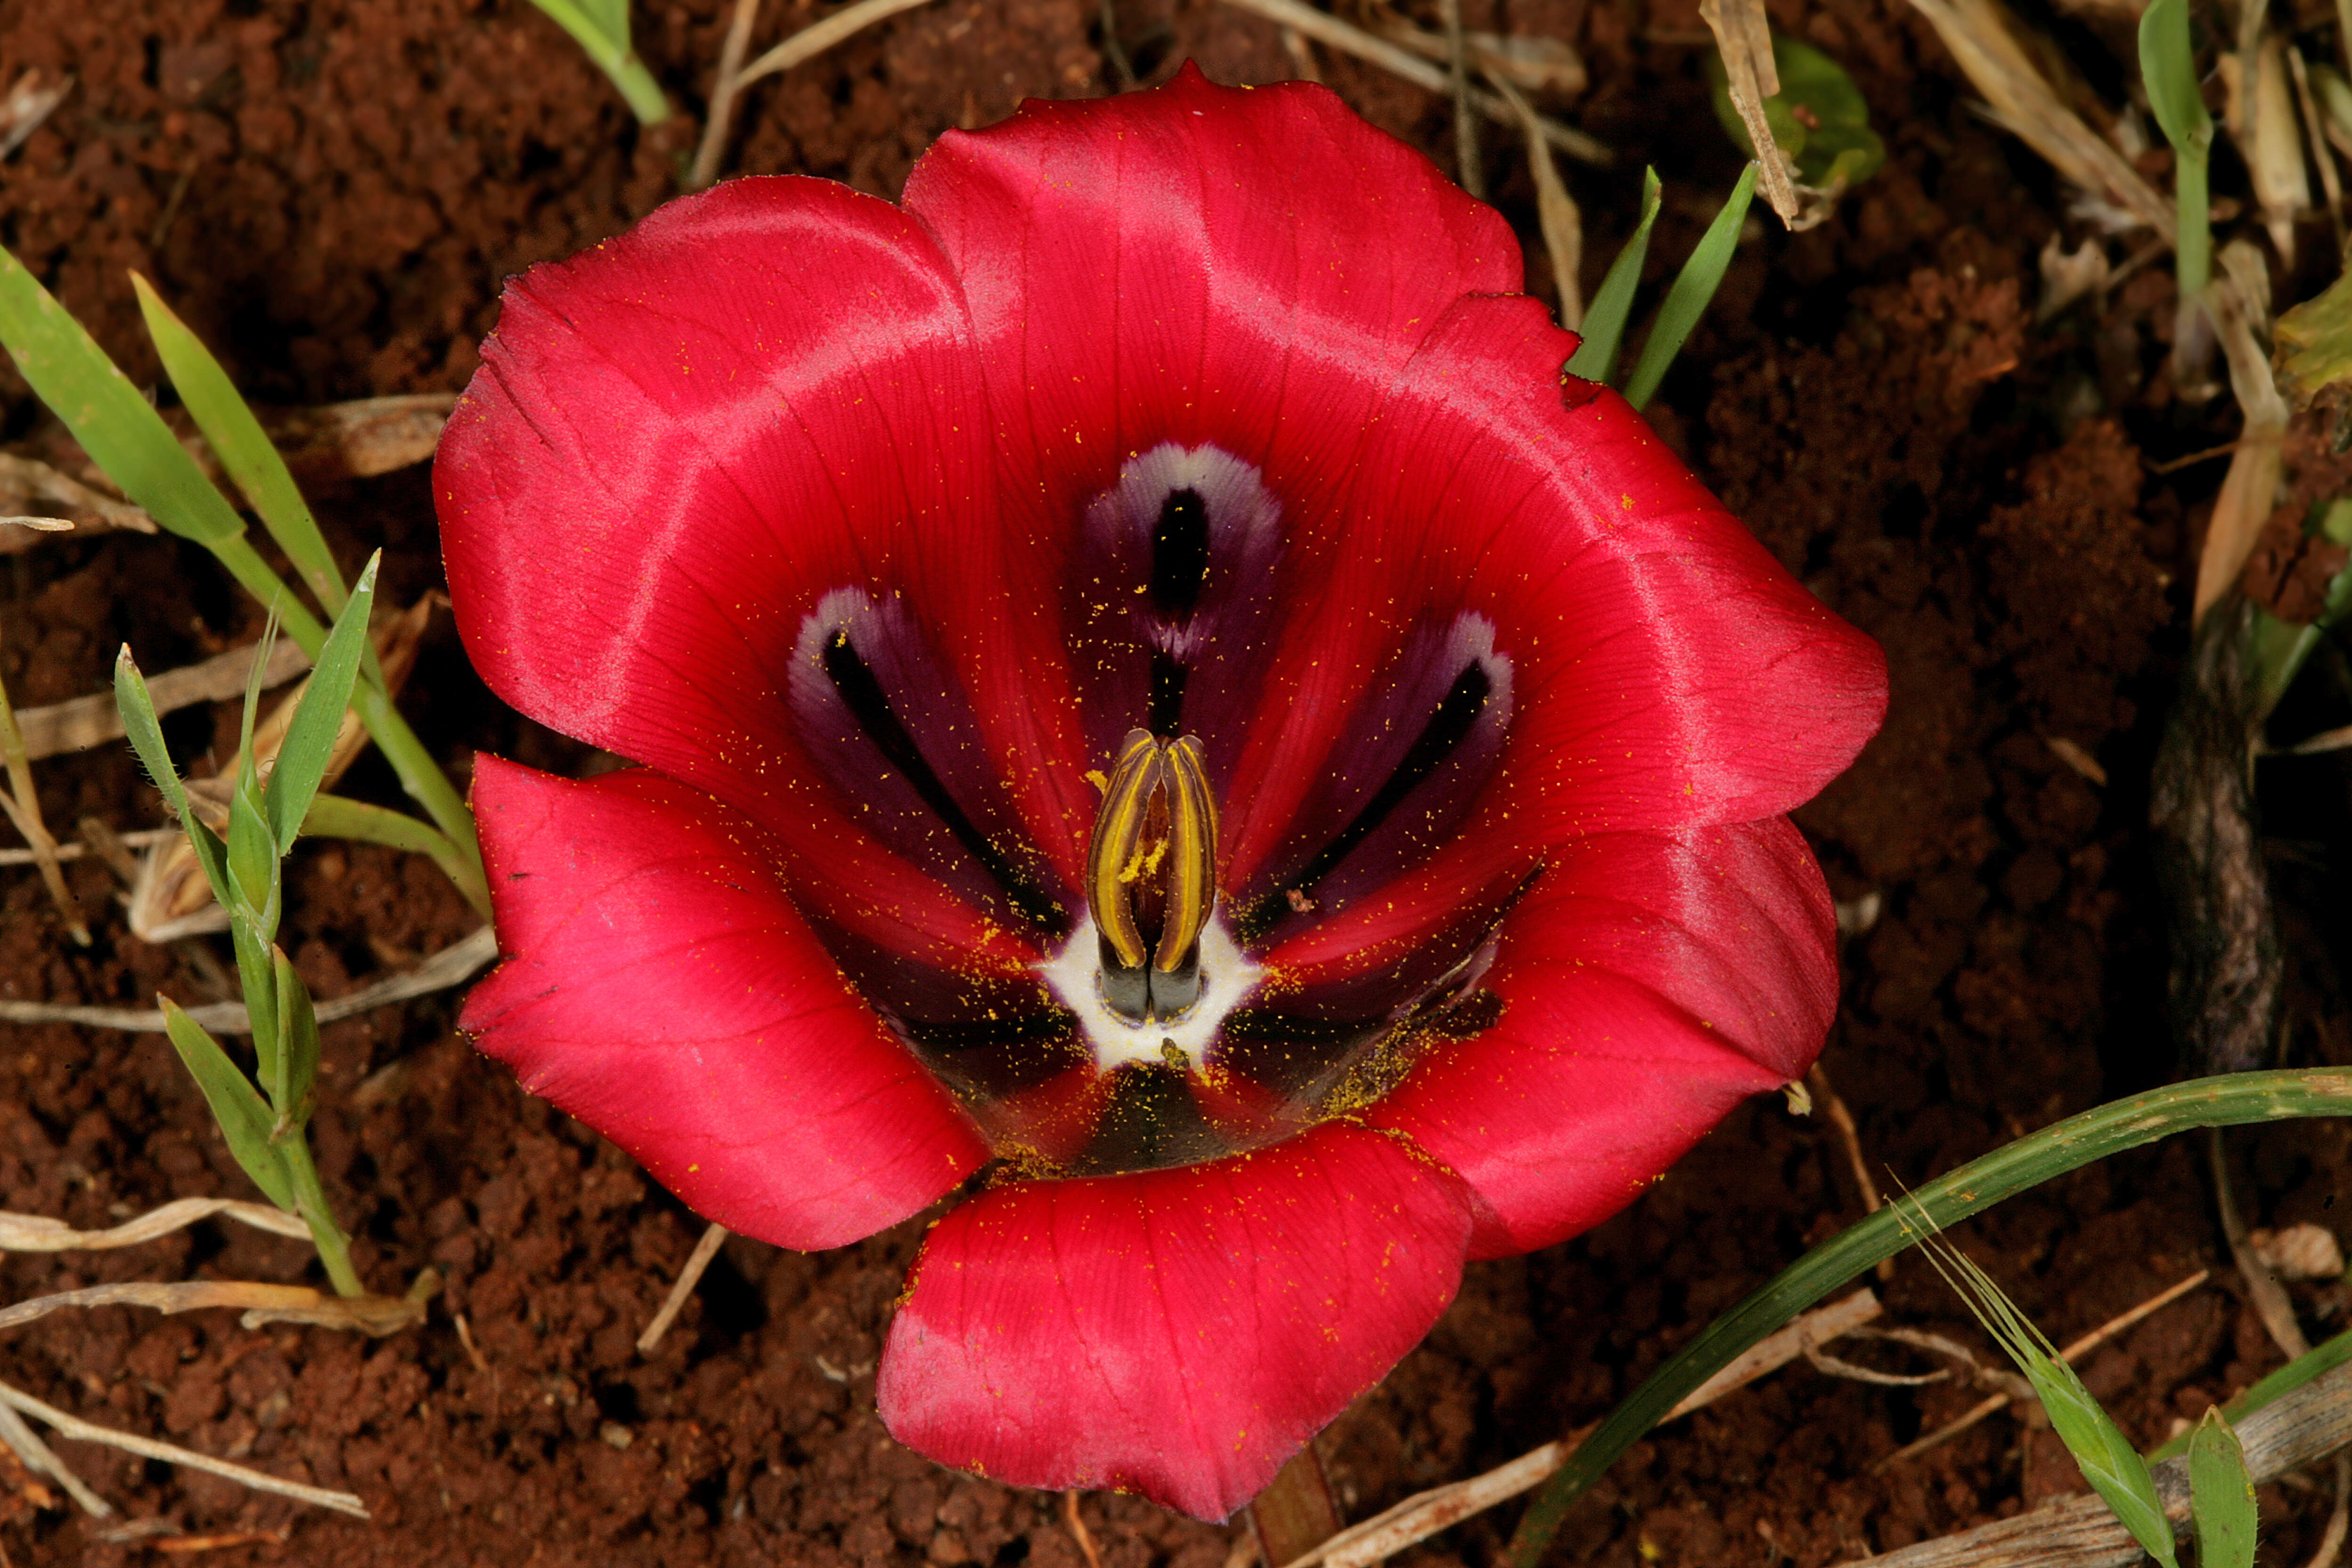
(1149,1031)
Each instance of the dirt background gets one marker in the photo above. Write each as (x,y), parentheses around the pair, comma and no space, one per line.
(330,190)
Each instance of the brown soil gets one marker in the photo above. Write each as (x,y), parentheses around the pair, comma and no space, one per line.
(329,191)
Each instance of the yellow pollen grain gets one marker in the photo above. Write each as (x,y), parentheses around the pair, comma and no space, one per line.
(1143,860)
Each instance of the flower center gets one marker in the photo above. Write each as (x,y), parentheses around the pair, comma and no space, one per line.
(1151,877)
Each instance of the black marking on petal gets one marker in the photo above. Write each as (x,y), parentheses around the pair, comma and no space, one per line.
(1447,728)
(1180,553)
(957,1035)
(865,698)
(1166,715)
(1149,1122)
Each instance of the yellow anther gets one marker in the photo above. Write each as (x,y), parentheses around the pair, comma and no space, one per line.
(1152,874)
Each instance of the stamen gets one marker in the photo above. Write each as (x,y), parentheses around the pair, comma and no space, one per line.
(1151,876)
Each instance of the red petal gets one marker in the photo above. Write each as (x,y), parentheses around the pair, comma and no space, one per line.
(1667,671)
(1179,1333)
(680,439)
(1649,983)
(1191,265)
(664,990)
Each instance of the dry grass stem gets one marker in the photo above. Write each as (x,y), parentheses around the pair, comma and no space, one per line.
(82,1431)
(2273,148)
(218,1541)
(2308,105)
(374,1315)
(41,1461)
(1424,1514)
(722,95)
(687,1279)
(23,807)
(453,964)
(1332,33)
(1744,38)
(40,524)
(1302,54)
(1471,174)
(2331,1542)
(2250,489)
(2071,1353)
(2326,741)
(1078,1531)
(1850,1136)
(2072,753)
(139,840)
(1563,225)
(38,1233)
(354,440)
(1529,63)
(92,721)
(32,477)
(813,41)
(2262,1288)
(28,103)
(1977,33)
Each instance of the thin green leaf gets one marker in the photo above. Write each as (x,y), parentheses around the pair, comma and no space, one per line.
(236,1105)
(338,816)
(298,1059)
(253,873)
(310,742)
(257,978)
(2104,1455)
(1612,306)
(2323,1357)
(237,438)
(2280,649)
(116,427)
(2168,66)
(602,27)
(2229,1100)
(1693,288)
(137,707)
(2221,1496)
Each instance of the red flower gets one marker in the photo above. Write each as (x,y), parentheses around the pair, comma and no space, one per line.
(903,547)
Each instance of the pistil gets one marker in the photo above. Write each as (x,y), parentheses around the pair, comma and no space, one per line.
(1151,877)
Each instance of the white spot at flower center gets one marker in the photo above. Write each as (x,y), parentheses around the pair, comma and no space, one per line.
(1228,975)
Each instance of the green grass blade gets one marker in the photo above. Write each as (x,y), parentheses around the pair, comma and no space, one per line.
(2325,1356)
(1612,306)
(338,816)
(311,738)
(297,1075)
(2068,1145)
(145,732)
(256,976)
(236,1105)
(602,27)
(237,438)
(1693,288)
(2221,1496)
(2168,66)
(116,427)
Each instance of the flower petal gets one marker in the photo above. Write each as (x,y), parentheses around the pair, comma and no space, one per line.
(761,403)
(1666,671)
(664,990)
(1649,983)
(1179,1333)
(1191,266)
